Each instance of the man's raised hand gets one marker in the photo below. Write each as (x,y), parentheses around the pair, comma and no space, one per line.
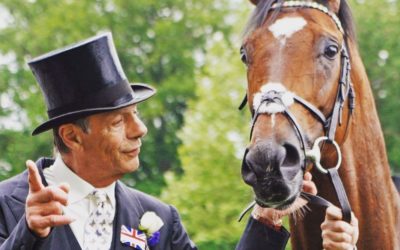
(43,209)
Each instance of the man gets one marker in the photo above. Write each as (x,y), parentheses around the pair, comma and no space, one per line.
(76,201)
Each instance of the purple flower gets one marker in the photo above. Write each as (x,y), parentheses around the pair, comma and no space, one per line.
(154,239)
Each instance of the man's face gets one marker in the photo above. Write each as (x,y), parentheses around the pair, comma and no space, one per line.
(112,145)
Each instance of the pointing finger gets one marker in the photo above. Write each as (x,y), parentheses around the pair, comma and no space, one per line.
(35,182)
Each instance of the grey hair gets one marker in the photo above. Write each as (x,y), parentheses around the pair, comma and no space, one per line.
(59,144)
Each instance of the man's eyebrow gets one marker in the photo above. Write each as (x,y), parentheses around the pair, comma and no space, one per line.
(124,111)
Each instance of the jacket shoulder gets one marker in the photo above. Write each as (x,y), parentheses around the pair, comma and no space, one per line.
(148,202)
(9,185)
(20,181)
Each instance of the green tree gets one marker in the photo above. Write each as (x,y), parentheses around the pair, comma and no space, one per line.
(211,194)
(159,42)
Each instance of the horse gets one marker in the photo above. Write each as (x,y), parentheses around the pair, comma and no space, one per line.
(299,90)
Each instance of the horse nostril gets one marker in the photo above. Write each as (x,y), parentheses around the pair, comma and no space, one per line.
(292,157)
(249,175)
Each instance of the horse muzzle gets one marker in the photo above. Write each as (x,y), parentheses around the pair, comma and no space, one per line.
(274,171)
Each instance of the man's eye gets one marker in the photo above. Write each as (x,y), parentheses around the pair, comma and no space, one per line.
(117,122)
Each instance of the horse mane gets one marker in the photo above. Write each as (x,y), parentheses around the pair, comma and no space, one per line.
(263,7)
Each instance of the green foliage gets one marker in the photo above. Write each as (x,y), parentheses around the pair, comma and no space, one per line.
(156,42)
(211,194)
(14,152)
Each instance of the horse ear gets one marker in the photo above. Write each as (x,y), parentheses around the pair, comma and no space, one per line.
(333,5)
(255,2)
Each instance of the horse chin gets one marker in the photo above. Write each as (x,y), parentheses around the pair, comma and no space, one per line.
(277,192)
(279,205)
(286,208)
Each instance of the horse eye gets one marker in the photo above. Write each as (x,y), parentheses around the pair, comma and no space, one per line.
(331,51)
(243,58)
(243,55)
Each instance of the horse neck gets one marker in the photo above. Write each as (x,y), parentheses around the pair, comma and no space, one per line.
(366,141)
(365,145)
(365,174)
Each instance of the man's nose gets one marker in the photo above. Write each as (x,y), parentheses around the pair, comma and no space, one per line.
(136,128)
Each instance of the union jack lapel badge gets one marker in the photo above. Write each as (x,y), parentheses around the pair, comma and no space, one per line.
(133,238)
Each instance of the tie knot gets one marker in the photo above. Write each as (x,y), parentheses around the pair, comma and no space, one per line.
(99,196)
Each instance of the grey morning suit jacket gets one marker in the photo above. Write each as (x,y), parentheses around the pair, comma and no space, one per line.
(131,205)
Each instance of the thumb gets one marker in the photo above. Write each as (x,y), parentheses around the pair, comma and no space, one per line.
(333,213)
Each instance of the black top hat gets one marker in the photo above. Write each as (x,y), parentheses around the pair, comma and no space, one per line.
(84,79)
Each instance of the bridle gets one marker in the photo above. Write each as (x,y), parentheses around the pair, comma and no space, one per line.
(345,92)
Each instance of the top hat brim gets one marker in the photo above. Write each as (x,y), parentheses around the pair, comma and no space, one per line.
(141,93)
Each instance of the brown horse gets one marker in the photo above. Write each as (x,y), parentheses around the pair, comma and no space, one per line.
(298,52)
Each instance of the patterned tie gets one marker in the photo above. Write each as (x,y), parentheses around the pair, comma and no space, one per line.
(99,225)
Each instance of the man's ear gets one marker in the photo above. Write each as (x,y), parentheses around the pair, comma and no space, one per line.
(71,136)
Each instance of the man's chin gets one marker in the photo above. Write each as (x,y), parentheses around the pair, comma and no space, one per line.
(131,165)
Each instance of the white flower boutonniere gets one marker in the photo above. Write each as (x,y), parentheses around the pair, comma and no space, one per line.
(150,224)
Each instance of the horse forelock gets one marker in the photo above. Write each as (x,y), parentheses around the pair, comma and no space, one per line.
(263,9)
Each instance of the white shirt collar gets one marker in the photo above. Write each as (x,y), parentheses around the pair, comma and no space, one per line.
(79,188)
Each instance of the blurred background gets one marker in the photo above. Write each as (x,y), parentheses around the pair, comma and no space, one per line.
(188,50)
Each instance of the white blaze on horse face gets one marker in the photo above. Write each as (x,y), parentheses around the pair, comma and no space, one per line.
(285,27)
(273,120)
(273,107)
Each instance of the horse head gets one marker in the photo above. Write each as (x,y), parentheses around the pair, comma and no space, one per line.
(294,56)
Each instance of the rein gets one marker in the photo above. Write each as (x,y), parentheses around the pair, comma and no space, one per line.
(345,92)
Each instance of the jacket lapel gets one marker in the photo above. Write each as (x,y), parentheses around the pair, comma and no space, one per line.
(16,201)
(128,213)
